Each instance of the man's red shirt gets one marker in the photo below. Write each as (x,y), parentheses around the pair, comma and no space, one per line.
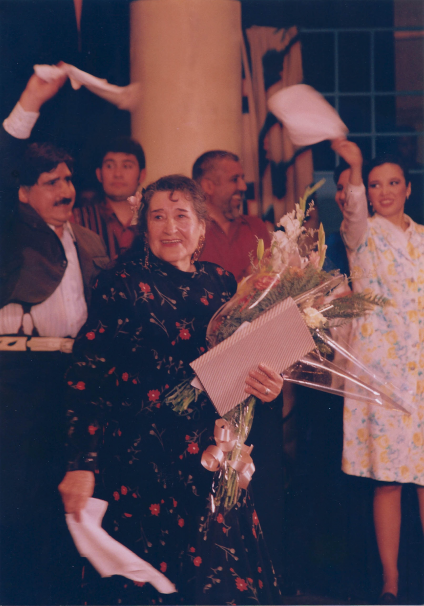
(232,252)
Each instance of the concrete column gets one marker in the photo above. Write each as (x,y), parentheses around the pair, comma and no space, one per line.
(186,55)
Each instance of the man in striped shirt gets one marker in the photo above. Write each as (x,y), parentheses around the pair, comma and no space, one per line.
(121,169)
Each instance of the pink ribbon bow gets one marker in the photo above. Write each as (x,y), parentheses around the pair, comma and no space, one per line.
(214,456)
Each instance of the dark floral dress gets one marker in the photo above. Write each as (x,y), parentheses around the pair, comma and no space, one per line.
(145,326)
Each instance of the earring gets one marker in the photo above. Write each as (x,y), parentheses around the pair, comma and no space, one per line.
(146,252)
(195,256)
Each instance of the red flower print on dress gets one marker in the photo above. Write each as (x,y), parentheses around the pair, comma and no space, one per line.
(184,334)
(109,372)
(139,583)
(116,495)
(241,584)
(193,448)
(220,518)
(192,549)
(92,429)
(128,515)
(153,395)
(119,432)
(197,561)
(259,569)
(125,376)
(134,381)
(123,276)
(204,301)
(260,584)
(155,509)
(174,503)
(101,329)
(80,385)
(144,287)
(163,566)
(134,495)
(219,271)
(181,522)
(124,490)
(254,532)
(249,580)
(255,518)
(91,335)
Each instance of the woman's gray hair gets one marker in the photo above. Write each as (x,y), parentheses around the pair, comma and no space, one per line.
(172,183)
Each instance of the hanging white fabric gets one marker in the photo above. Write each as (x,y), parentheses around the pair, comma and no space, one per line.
(108,556)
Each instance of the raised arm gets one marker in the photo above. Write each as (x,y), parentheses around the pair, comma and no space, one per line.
(355,211)
(16,130)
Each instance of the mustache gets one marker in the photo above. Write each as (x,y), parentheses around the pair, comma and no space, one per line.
(63,202)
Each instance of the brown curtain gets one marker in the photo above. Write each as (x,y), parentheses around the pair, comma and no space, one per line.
(276,170)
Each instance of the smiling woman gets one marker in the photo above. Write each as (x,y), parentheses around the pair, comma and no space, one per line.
(173,229)
(385,252)
(147,322)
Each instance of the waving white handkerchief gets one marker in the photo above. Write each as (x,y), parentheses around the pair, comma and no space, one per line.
(124,97)
(108,556)
(308,117)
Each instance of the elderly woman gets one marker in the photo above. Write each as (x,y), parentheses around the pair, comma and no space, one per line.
(147,323)
(385,253)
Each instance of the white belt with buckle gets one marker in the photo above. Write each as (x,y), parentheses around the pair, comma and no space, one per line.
(36,344)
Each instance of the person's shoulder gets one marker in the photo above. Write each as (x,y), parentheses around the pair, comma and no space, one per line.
(254,221)
(82,232)
(216,272)
(90,239)
(257,226)
(416,226)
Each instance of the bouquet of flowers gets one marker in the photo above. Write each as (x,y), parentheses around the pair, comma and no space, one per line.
(291,267)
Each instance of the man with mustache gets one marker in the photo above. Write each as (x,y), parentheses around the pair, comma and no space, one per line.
(230,236)
(47,267)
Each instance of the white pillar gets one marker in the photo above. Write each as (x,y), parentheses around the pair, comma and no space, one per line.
(186,54)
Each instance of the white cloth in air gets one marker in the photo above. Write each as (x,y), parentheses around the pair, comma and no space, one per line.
(125,97)
(307,116)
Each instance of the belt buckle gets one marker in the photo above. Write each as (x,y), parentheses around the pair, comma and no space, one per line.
(13,343)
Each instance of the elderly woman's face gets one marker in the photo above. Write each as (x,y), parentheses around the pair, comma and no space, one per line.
(387,191)
(173,229)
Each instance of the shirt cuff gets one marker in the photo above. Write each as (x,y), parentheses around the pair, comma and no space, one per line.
(20,123)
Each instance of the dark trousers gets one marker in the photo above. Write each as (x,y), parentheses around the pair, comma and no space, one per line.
(38,562)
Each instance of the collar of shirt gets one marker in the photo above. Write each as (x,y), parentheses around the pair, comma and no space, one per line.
(66,227)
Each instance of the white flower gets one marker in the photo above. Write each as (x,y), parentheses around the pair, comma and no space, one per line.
(291,225)
(313,317)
